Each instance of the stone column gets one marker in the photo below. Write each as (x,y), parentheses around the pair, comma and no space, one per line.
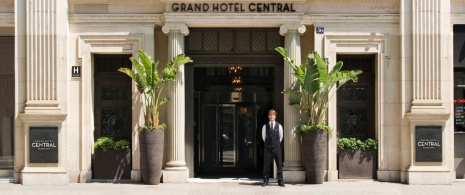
(41,48)
(292,170)
(426,38)
(175,169)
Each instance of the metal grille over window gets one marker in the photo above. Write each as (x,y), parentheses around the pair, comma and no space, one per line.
(233,41)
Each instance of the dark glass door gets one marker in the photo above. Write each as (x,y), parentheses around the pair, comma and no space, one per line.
(356,100)
(356,116)
(229,140)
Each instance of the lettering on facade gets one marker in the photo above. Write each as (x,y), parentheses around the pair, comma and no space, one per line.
(428,143)
(459,115)
(233,7)
(43,144)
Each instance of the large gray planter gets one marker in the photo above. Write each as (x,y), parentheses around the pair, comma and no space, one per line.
(151,155)
(357,164)
(112,164)
(314,150)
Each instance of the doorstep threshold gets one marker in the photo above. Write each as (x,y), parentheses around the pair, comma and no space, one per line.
(227,180)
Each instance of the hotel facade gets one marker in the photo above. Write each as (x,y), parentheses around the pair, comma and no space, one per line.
(60,89)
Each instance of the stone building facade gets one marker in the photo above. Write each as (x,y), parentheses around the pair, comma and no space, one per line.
(49,51)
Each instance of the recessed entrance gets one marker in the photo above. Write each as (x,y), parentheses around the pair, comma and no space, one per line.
(112,115)
(356,117)
(237,78)
(7,102)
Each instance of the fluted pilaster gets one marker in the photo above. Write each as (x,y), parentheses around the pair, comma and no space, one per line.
(292,142)
(429,40)
(176,104)
(42,54)
(427,54)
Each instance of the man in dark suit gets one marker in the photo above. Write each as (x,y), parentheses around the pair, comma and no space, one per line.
(272,134)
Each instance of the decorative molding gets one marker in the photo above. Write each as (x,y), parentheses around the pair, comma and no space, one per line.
(114,1)
(181,27)
(116,19)
(7,19)
(107,43)
(119,43)
(352,19)
(213,1)
(367,43)
(165,1)
(352,1)
(287,27)
(363,43)
(232,19)
(457,18)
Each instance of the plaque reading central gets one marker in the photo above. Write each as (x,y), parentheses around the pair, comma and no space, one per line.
(428,143)
(43,144)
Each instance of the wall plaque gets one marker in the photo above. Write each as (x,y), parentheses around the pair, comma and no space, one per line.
(428,142)
(43,144)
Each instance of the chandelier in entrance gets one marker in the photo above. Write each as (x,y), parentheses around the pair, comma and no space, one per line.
(235,74)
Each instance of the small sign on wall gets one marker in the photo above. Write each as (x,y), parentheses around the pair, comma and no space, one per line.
(43,144)
(428,143)
(75,71)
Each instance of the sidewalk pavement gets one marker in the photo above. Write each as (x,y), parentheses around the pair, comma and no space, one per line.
(235,186)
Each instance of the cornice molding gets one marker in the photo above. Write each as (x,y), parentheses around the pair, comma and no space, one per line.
(116,19)
(7,19)
(352,19)
(223,1)
(170,1)
(232,19)
(352,1)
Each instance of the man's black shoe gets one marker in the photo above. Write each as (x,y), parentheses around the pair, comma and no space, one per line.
(264,183)
(280,183)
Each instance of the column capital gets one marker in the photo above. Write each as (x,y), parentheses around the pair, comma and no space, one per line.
(289,27)
(181,27)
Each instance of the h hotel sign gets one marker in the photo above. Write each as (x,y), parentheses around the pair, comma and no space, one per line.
(75,71)
(260,7)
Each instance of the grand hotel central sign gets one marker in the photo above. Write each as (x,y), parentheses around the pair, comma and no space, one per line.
(258,7)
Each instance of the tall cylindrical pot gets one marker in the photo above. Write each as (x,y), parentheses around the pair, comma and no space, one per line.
(315,146)
(151,144)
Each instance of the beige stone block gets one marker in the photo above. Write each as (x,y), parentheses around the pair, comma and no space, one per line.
(393,114)
(175,176)
(44,176)
(136,175)
(389,176)
(294,176)
(85,177)
(419,178)
(393,92)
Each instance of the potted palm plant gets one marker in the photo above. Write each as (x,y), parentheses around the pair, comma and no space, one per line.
(311,95)
(151,84)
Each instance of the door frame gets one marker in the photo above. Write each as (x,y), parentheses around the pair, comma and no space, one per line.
(111,43)
(358,43)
